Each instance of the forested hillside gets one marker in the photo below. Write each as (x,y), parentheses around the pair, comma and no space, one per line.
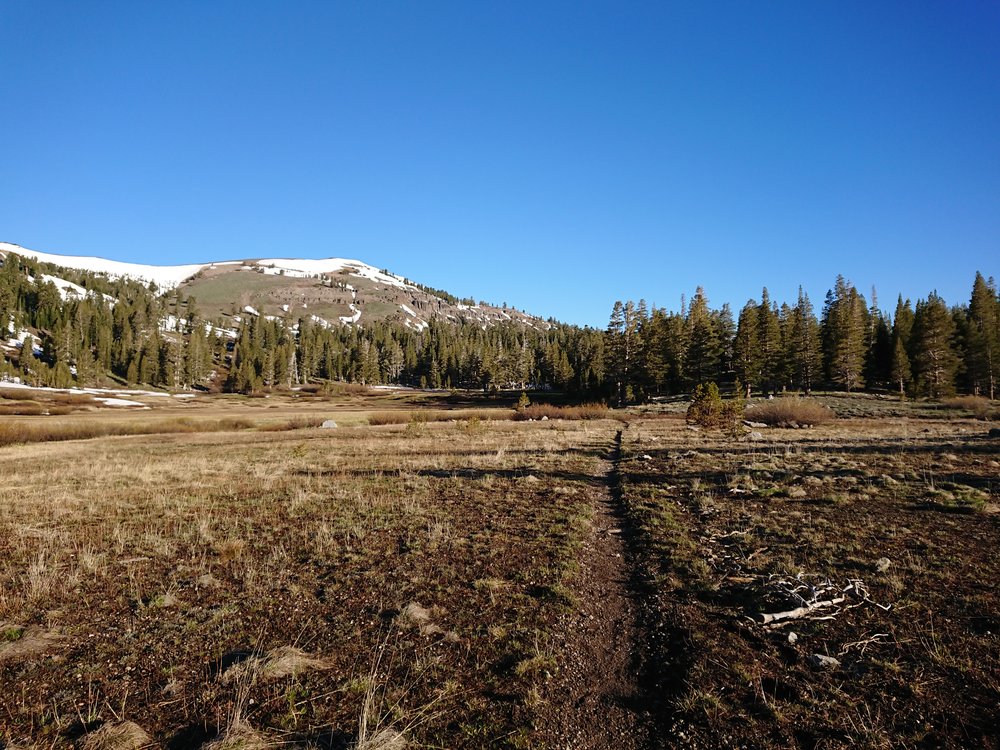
(70,327)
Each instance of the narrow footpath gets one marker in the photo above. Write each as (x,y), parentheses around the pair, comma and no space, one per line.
(596,700)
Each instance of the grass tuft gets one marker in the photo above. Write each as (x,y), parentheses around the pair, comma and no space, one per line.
(789,412)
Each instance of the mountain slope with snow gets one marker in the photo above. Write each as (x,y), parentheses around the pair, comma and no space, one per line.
(338,291)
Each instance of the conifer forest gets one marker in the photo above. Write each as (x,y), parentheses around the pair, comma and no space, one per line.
(127,332)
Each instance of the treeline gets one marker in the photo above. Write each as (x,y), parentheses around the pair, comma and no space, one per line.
(927,349)
(119,331)
(445,355)
(124,332)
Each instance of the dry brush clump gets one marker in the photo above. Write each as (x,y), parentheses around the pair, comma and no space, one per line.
(979,406)
(435,415)
(549,411)
(789,412)
(14,433)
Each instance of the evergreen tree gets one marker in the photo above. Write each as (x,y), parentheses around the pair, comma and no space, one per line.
(935,361)
(983,346)
(704,350)
(769,341)
(747,359)
(845,323)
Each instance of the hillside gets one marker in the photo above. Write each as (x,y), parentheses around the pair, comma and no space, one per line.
(330,291)
(256,324)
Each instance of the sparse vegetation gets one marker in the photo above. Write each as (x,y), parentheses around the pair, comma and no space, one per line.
(789,411)
(384,585)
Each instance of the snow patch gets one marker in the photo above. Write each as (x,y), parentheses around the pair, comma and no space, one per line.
(351,318)
(165,277)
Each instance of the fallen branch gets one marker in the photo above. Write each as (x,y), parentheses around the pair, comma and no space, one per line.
(815,600)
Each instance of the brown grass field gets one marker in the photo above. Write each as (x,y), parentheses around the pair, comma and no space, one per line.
(248,580)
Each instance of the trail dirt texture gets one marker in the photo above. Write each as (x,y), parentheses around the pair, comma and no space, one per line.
(596,700)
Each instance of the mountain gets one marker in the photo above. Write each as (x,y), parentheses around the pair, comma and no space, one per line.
(330,291)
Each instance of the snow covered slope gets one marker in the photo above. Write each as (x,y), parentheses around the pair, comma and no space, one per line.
(165,277)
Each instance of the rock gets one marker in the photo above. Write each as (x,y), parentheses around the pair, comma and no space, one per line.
(754,425)
(645,457)
(755,436)
(693,428)
(797,493)
(792,637)
(544,418)
(328,424)
(531,478)
(882,564)
(820,661)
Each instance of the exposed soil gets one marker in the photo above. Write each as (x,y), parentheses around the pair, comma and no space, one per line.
(596,700)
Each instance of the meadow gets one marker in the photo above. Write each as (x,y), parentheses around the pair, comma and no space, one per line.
(443,579)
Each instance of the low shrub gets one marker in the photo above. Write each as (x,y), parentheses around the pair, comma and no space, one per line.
(979,406)
(297,423)
(13,433)
(436,415)
(583,411)
(789,412)
(707,408)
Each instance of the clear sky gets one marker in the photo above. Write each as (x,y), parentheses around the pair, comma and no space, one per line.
(552,155)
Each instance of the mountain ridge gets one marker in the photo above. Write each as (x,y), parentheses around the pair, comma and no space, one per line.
(329,291)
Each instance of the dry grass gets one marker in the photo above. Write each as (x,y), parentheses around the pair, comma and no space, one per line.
(119,735)
(979,407)
(789,412)
(296,423)
(548,411)
(294,549)
(13,433)
(436,415)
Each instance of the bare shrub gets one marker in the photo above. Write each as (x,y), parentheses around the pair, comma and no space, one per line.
(298,423)
(979,406)
(789,412)
(583,411)
(436,415)
(43,432)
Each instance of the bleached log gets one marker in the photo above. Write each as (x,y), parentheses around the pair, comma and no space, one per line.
(765,618)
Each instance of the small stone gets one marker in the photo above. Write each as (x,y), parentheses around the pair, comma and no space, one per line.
(820,661)
(328,424)
(797,493)
(754,436)
(792,637)
(645,457)
(882,564)
(544,418)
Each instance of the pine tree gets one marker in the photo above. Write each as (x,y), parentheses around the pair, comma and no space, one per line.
(805,346)
(934,362)
(769,341)
(747,360)
(704,349)
(983,348)
(845,322)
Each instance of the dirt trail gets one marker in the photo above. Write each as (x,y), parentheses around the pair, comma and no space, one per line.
(596,700)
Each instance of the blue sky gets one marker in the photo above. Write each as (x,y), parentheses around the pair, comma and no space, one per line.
(554,156)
